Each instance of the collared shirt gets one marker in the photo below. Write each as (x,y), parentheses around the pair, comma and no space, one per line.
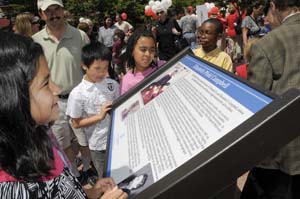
(85,101)
(290,15)
(217,57)
(64,57)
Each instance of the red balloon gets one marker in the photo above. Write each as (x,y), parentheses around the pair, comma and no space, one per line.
(149,12)
(154,17)
(124,16)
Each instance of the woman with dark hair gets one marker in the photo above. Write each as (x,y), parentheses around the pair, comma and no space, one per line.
(139,58)
(250,26)
(106,32)
(31,166)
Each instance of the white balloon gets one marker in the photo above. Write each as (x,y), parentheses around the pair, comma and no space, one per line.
(151,3)
(154,7)
(169,3)
(165,5)
(157,3)
(147,7)
(81,20)
(209,5)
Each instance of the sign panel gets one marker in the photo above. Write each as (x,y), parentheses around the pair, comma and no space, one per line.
(173,116)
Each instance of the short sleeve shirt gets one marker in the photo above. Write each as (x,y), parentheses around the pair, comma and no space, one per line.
(64,57)
(188,24)
(216,57)
(251,25)
(131,79)
(86,100)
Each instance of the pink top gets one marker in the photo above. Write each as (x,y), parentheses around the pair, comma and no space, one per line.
(56,171)
(131,79)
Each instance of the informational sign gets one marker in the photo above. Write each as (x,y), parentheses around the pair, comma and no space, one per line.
(165,122)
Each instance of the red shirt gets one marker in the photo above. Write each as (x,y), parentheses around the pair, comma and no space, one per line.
(231,19)
(241,71)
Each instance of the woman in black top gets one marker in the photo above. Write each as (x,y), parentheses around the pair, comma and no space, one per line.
(167,31)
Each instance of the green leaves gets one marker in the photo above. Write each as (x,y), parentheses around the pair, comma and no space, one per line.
(97,9)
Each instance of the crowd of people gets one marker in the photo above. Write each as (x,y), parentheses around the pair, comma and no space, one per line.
(58,82)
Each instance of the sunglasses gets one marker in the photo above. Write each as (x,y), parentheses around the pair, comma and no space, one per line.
(159,13)
(36,22)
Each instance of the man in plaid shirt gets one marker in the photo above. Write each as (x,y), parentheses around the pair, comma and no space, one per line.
(275,65)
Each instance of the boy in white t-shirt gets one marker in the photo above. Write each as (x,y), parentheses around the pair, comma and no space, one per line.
(90,101)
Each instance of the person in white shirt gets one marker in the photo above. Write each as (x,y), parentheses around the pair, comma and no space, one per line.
(125,26)
(89,102)
(107,32)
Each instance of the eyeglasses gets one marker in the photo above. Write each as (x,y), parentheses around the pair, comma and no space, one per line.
(159,13)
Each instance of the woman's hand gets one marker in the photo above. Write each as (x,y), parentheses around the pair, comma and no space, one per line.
(102,185)
(105,184)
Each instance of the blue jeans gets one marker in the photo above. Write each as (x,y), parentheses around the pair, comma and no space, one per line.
(190,38)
